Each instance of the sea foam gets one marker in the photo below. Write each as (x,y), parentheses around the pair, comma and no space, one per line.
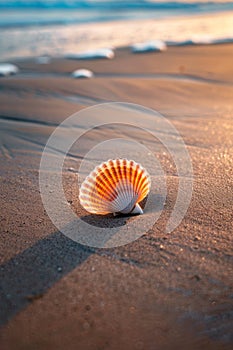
(86,41)
(92,54)
(149,46)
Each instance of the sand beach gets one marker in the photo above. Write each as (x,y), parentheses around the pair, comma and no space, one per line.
(162,291)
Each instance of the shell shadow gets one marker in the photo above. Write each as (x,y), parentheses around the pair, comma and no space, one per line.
(106,221)
(110,221)
(29,274)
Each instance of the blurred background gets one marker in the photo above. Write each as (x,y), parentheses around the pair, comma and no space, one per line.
(55,27)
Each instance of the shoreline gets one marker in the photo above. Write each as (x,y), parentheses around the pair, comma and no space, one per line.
(77,38)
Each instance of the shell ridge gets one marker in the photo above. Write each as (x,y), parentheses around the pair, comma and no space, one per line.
(114,186)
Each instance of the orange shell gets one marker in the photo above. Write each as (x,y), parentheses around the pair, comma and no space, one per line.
(115,186)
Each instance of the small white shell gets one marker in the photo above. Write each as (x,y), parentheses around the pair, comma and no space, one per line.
(115,186)
(82,73)
(8,69)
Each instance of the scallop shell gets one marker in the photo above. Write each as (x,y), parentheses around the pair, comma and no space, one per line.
(115,186)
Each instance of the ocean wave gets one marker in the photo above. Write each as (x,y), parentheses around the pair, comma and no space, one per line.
(22,13)
(112,4)
(215,28)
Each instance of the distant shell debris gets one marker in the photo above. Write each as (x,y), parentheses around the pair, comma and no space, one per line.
(82,73)
(8,69)
(43,59)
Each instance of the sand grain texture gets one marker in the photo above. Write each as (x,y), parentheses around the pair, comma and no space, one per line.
(164,291)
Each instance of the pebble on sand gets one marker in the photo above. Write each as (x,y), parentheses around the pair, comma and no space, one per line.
(8,69)
(82,73)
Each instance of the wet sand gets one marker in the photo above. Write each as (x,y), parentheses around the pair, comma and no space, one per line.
(163,291)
